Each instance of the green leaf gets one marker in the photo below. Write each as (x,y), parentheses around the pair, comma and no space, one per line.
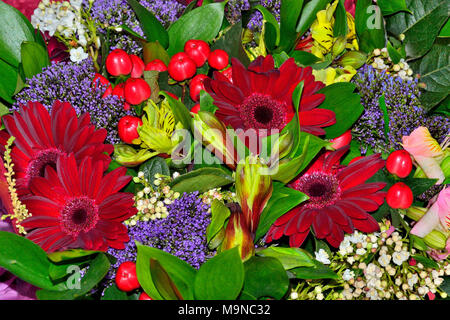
(207,102)
(369,26)
(320,244)
(340,28)
(98,269)
(113,293)
(272,29)
(15,29)
(308,14)
(427,262)
(165,286)
(153,29)
(25,259)
(9,76)
(221,277)
(289,16)
(152,167)
(201,180)
(265,277)
(445,31)
(282,200)
(421,27)
(179,271)
(389,7)
(304,58)
(219,214)
(179,110)
(231,42)
(383,108)
(70,255)
(154,50)
(319,271)
(294,125)
(202,23)
(394,54)
(419,185)
(289,257)
(340,98)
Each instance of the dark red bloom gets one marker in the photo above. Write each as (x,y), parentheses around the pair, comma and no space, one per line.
(40,137)
(260,97)
(350,6)
(339,200)
(75,206)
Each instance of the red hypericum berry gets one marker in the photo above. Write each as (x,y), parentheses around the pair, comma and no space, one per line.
(119,91)
(172,95)
(343,140)
(144,296)
(197,50)
(138,66)
(196,86)
(136,91)
(181,67)
(127,128)
(218,59)
(399,163)
(399,196)
(355,159)
(126,277)
(195,108)
(118,63)
(156,65)
(228,73)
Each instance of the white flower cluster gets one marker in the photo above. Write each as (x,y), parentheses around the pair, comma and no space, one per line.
(382,61)
(151,203)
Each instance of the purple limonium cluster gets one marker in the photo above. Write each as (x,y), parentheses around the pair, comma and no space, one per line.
(182,233)
(403,108)
(72,82)
(117,12)
(256,19)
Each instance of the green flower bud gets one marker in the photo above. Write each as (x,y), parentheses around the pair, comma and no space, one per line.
(282,146)
(130,157)
(445,166)
(339,45)
(354,59)
(416,213)
(436,240)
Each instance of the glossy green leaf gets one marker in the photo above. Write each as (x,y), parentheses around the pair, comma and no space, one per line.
(98,269)
(319,271)
(369,26)
(383,107)
(153,29)
(427,262)
(289,16)
(389,7)
(265,277)
(163,283)
(419,185)
(394,54)
(154,50)
(70,255)
(282,200)
(207,102)
(219,214)
(340,28)
(308,14)
(179,110)
(294,125)
(272,29)
(113,293)
(231,42)
(286,171)
(340,98)
(445,31)
(9,76)
(202,23)
(14,30)
(152,167)
(201,180)
(304,58)
(289,257)
(421,27)
(221,277)
(180,272)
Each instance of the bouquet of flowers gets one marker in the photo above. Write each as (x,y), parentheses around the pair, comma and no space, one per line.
(224,150)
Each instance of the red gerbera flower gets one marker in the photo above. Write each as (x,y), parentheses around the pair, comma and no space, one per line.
(339,200)
(41,137)
(77,207)
(260,97)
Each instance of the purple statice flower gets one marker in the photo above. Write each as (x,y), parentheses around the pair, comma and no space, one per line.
(256,19)
(72,82)
(182,233)
(117,12)
(403,108)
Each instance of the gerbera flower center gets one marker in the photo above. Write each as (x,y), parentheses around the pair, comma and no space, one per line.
(42,159)
(260,111)
(79,215)
(322,188)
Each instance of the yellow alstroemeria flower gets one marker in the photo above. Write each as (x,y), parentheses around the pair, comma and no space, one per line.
(332,75)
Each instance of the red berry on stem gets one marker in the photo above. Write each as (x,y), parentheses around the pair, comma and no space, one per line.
(197,50)
(118,63)
(157,65)
(196,86)
(195,108)
(138,66)
(343,140)
(218,59)
(399,163)
(144,296)
(127,128)
(399,196)
(136,91)
(181,67)
(126,277)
